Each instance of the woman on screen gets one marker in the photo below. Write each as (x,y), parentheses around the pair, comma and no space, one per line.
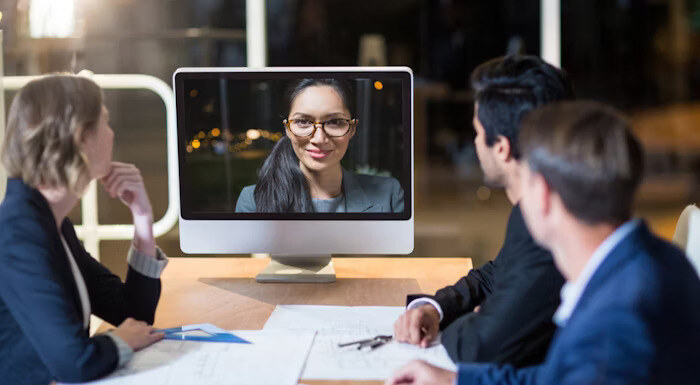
(303,174)
(58,140)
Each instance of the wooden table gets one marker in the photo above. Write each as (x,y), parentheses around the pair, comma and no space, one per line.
(223,291)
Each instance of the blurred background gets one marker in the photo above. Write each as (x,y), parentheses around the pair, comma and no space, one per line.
(642,56)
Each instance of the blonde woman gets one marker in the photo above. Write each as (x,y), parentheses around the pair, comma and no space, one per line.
(58,139)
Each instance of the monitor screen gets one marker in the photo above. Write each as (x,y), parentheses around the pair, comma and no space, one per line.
(265,145)
(295,160)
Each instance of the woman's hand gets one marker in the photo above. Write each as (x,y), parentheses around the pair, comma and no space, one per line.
(137,334)
(125,182)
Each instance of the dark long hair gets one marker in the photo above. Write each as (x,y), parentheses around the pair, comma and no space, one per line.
(282,187)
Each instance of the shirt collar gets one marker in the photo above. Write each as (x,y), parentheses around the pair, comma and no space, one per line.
(571,291)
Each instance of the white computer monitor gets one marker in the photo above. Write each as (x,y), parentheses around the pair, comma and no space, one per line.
(236,197)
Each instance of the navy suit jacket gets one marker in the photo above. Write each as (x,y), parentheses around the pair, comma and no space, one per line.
(363,194)
(41,323)
(637,322)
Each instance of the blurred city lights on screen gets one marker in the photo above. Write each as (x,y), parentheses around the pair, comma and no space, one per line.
(378,85)
(202,141)
(194,93)
(51,18)
(252,134)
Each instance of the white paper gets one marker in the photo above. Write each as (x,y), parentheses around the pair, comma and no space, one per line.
(366,320)
(273,357)
(339,324)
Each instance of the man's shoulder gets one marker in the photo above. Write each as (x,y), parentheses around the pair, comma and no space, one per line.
(645,275)
(662,271)
(655,264)
(516,224)
(519,246)
(647,295)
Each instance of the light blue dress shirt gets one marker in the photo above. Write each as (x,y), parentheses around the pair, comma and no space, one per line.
(571,291)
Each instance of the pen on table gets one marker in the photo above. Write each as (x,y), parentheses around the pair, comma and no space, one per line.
(371,343)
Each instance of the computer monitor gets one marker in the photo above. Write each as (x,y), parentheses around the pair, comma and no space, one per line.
(299,163)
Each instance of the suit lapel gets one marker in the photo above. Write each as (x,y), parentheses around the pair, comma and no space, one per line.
(356,200)
(622,254)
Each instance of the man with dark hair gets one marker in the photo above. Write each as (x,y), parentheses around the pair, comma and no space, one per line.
(629,311)
(518,292)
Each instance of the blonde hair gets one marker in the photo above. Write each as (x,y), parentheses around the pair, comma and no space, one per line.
(48,118)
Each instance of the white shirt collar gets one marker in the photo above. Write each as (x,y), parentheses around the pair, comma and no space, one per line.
(571,291)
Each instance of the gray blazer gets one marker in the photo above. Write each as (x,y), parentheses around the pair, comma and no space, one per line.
(363,194)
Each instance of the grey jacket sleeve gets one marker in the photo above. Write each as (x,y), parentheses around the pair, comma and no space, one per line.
(246,201)
(396,196)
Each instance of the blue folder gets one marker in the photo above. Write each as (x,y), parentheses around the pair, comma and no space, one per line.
(215,334)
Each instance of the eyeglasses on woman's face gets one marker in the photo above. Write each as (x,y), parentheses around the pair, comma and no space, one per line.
(306,128)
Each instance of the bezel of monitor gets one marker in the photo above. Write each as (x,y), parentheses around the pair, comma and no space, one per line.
(333,222)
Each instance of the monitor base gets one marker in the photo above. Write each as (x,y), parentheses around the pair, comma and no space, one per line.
(298,269)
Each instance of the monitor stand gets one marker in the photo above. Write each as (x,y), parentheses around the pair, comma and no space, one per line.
(298,269)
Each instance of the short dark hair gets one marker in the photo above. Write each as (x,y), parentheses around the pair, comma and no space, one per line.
(587,153)
(507,88)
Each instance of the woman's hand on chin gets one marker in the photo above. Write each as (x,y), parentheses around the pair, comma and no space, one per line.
(125,182)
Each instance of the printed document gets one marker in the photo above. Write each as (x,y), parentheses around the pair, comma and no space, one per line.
(340,324)
(273,357)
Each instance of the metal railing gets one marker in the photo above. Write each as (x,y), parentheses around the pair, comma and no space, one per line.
(90,231)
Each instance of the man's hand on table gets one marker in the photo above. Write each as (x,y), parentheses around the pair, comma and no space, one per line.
(418,326)
(421,373)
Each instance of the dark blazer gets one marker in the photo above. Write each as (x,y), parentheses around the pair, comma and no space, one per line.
(637,322)
(41,323)
(363,193)
(518,294)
